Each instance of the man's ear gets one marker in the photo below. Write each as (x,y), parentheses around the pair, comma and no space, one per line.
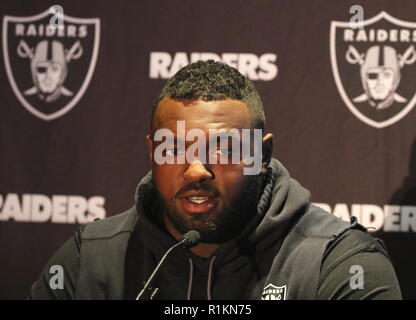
(149,142)
(267,150)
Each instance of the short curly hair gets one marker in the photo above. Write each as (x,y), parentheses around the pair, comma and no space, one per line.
(211,81)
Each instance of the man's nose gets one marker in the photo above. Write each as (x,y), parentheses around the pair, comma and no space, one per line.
(197,172)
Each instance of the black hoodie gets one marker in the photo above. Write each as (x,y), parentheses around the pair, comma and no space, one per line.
(278,255)
(235,265)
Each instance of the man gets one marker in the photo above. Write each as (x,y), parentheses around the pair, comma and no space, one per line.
(261,236)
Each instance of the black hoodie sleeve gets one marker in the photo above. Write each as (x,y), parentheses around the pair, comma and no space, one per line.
(67,256)
(379,278)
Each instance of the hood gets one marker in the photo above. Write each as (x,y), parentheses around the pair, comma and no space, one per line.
(283,202)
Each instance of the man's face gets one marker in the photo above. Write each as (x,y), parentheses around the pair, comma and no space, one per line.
(48,75)
(215,199)
(380,82)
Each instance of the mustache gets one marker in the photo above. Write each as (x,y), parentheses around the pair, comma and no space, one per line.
(197,187)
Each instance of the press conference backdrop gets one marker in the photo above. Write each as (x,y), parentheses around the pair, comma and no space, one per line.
(340,101)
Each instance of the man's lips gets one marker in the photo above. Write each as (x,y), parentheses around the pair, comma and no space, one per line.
(198,204)
(198,201)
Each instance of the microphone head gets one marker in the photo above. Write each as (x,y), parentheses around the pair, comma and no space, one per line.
(191,239)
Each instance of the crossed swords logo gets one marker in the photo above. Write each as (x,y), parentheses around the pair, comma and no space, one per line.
(75,52)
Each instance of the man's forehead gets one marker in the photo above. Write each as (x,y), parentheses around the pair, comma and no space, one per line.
(202,114)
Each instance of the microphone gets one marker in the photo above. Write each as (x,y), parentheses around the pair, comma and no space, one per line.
(188,240)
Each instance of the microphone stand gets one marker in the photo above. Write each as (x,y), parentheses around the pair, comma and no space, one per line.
(153,275)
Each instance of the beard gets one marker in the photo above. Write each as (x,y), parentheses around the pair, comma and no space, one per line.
(221,226)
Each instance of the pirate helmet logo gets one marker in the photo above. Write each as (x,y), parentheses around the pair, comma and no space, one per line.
(385,68)
(49,68)
(272,292)
(41,61)
(380,73)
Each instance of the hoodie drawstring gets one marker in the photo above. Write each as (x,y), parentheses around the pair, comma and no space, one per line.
(191,275)
(211,264)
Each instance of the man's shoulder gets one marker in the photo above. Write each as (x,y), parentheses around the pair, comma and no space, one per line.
(357,255)
(111,226)
(317,222)
(347,237)
(352,242)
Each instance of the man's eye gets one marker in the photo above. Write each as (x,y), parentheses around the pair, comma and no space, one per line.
(387,74)
(41,69)
(223,151)
(372,75)
(172,152)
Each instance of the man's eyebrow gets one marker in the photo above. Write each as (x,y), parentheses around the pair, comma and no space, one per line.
(213,136)
(218,136)
(175,139)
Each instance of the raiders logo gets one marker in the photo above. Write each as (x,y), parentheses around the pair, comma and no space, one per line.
(49,68)
(375,68)
(272,292)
